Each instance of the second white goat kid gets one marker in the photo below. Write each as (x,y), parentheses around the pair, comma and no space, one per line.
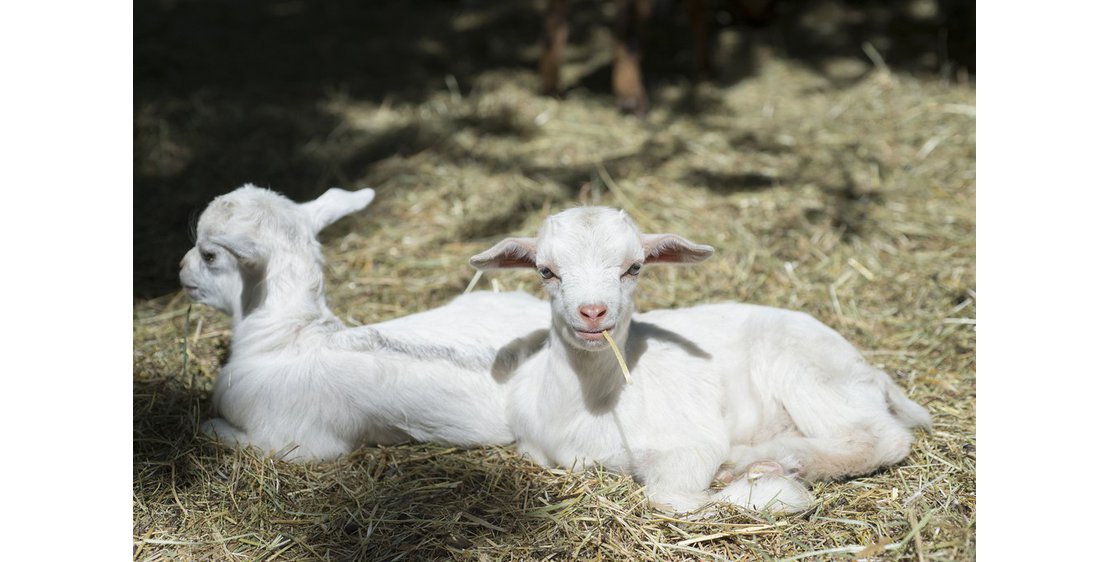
(300,384)
(774,393)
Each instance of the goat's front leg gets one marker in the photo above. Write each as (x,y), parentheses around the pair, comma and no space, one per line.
(628,82)
(678,479)
(554,42)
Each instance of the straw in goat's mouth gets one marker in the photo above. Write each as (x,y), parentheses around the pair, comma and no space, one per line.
(620,358)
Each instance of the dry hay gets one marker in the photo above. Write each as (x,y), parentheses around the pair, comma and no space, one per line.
(851,200)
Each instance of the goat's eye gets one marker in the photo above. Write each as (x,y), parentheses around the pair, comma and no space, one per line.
(634,270)
(546,272)
(208,257)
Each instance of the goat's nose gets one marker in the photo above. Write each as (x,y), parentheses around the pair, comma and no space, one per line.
(593,312)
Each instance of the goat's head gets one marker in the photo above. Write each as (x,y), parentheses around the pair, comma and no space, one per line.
(589,259)
(239,232)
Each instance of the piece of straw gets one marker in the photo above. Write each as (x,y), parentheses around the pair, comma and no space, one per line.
(185,349)
(473,282)
(620,358)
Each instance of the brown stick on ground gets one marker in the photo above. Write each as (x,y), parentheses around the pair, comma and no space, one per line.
(554,42)
(628,82)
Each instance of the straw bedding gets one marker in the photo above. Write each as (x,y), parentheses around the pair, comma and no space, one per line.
(845,189)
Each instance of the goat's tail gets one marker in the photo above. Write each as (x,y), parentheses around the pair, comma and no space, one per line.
(910,413)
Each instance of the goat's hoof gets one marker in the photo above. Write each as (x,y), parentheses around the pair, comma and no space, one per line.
(758,470)
(726,474)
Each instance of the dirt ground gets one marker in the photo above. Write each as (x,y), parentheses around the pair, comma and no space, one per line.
(830,161)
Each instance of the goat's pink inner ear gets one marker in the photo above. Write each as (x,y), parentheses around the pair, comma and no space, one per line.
(508,253)
(671,248)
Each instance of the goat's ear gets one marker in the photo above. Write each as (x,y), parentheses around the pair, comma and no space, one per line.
(335,204)
(510,252)
(672,248)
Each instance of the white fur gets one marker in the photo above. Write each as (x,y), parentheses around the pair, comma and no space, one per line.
(713,384)
(301,385)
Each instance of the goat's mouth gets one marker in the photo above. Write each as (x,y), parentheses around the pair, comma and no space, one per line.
(192,290)
(592,335)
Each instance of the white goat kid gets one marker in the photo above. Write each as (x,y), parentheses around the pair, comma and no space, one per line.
(775,392)
(301,385)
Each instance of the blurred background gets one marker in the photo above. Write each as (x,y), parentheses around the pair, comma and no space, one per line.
(303,95)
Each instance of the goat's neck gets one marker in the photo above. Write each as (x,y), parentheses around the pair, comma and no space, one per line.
(598,372)
(287,294)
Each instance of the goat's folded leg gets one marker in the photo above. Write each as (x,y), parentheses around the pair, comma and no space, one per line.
(765,485)
(224,432)
(836,454)
(840,430)
(729,471)
(305,448)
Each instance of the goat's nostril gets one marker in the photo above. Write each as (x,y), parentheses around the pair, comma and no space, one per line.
(593,311)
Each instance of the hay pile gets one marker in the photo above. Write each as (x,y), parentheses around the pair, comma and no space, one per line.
(850,198)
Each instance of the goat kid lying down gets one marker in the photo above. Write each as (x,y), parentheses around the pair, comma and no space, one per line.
(775,394)
(301,385)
